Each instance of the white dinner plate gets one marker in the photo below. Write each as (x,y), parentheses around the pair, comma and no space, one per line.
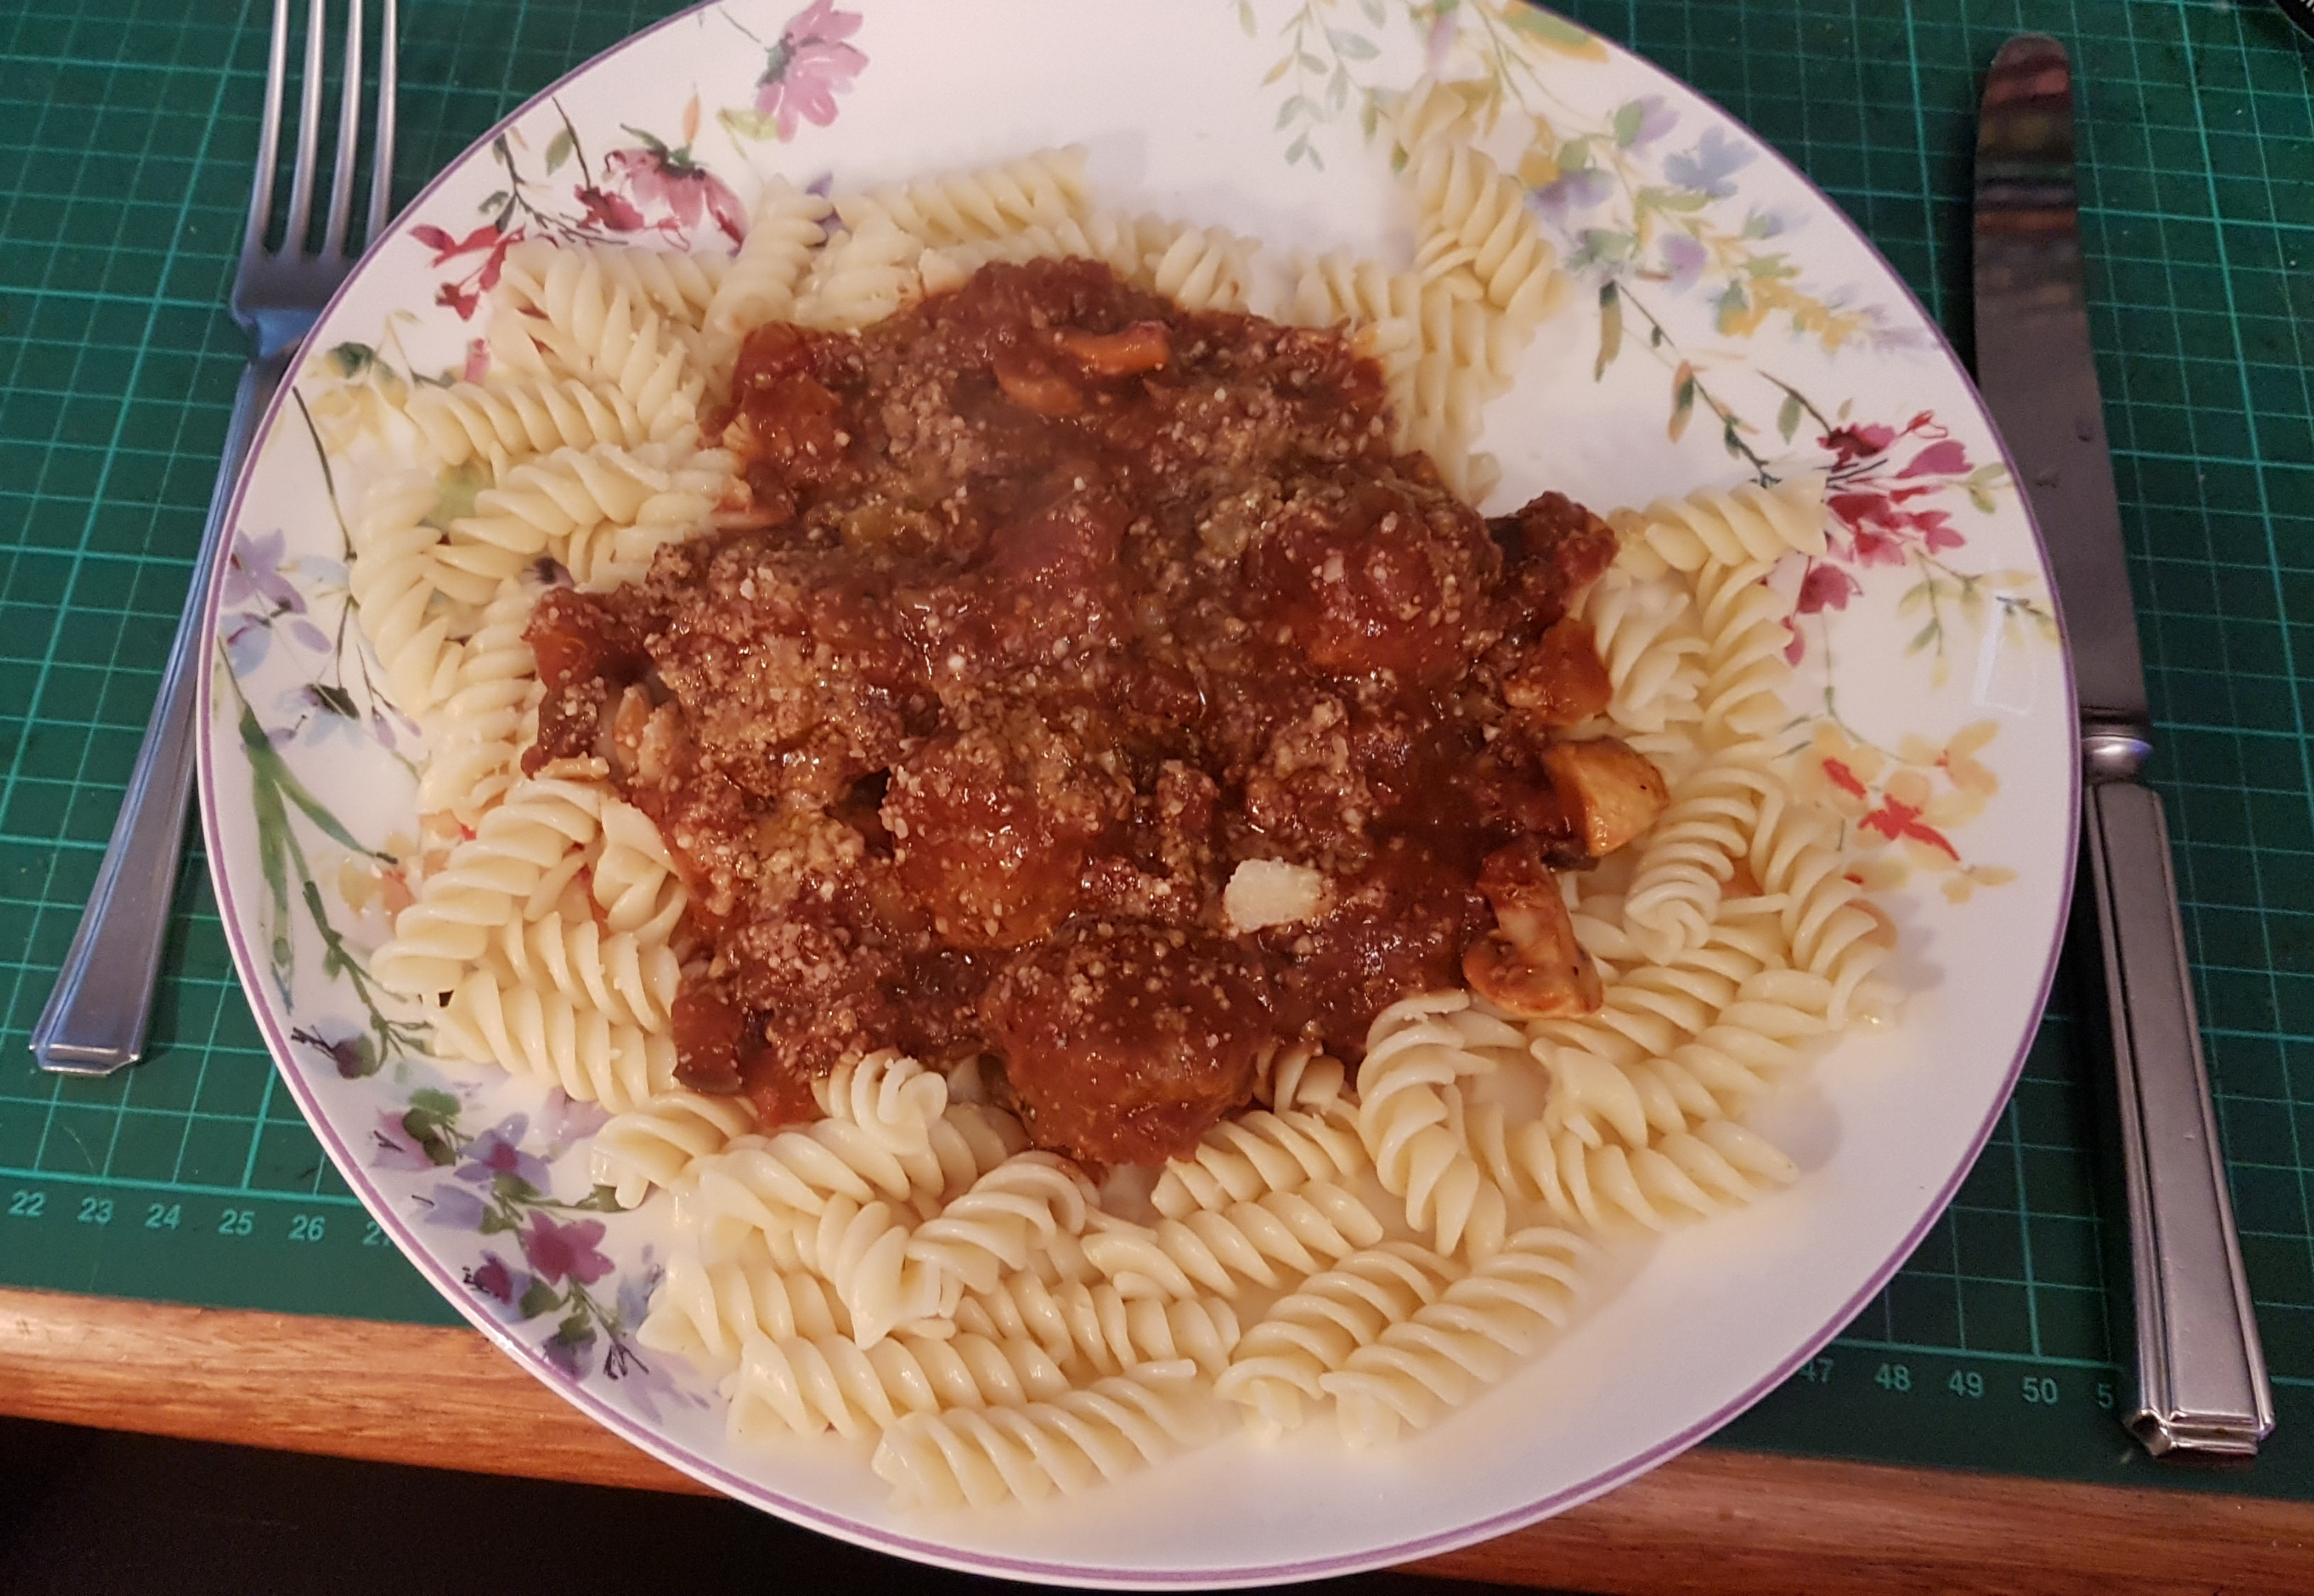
(1729,324)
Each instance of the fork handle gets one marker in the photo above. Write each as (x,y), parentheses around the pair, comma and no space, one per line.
(96,1018)
(2202,1381)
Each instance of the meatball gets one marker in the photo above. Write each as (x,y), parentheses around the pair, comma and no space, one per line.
(1125,1043)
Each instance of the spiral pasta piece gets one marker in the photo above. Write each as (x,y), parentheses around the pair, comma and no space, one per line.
(1831,935)
(1204,268)
(538,509)
(861,1250)
(1646,636)
(760,285)
(1415,1053)
(501,424)
(1312,1330)
(631,982)
(1687,858)
(1300,1077)
(679,284)
(655,1143)
(982,1456)
(1442,355)
(1729,526)
(394,584)
(1745,670)
(1675,1179)
(577,319)
(1435,112)
(1260,1151)
(806,1386)
(519,861)
(1093,1325)
(1471,1337)
(1474,234)
(475,735)
(634,879)
(1042,189)
(1130,245)
(861,278)
(609,554)
(1212,1249)
(546,1036)
(992,1227)
(706,1309)
(888,1095)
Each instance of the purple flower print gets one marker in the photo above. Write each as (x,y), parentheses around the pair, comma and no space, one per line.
(495,1156)
(1573,191)
(257,598)
(1706,169)
(455,1208)
(1683,259)
(1644,122)
(557,1251)
(810,62)
(563,1119)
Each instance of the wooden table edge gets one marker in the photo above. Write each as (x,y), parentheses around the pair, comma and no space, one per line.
(1711,1521)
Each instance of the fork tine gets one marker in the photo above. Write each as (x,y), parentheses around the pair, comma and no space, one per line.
(269,134)
(309,133)
(342,176)
(381,177)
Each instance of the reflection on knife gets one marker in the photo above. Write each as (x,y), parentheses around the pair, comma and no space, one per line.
(2201,1376)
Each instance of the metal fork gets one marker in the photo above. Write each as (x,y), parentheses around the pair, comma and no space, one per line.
(95,1020)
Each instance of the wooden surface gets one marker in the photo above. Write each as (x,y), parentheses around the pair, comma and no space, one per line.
(1726,1523)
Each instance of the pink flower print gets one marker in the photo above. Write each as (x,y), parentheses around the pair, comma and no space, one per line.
(557,1250)
(614,213)
(493,1279)
(395,1148)
(1851,444)
(465,294)
(1825,586)
(668,179)
(807,66)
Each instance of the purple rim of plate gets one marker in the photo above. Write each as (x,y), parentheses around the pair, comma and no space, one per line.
(741,1489)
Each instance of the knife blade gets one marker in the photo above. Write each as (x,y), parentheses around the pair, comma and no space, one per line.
(2201,1372)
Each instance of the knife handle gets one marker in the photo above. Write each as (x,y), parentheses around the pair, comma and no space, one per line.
(2201,1373)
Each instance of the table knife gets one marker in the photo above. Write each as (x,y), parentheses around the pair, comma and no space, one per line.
(2201,1375)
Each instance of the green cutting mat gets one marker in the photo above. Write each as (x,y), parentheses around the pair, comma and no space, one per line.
(126,133)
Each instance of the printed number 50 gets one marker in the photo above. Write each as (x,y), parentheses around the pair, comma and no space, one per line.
(2040,1389)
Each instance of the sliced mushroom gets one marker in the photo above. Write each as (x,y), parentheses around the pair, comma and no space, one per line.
(1613,791)
(1140,347)
(1529,964)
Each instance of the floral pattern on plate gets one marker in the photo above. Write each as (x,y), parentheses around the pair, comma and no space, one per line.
(1729,328)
